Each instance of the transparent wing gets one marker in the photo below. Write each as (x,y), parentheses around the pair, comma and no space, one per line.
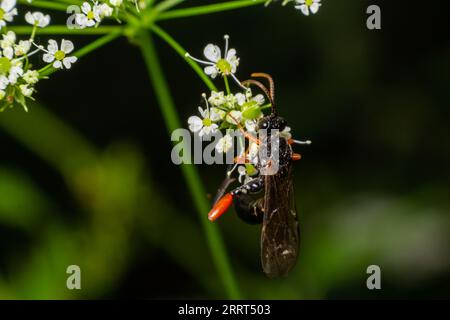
(280,230)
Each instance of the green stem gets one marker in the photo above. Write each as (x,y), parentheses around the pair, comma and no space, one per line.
(227,85)
(43,70)
(45,5)
(64,30)
(89,48)
(179,49)
(211,8)
(190,173)
(75,2)
(33,32)
(166,5)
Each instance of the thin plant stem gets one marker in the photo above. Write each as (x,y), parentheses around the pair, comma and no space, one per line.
(75,2)
(207,9)
(227,85)
(89,48)
(190,173)
(166,5)
(45,4)
(64,30)
(182,52)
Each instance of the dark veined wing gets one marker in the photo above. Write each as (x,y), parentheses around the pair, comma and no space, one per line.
(280,231)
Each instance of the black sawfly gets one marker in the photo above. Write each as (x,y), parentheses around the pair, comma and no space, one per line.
(268,198)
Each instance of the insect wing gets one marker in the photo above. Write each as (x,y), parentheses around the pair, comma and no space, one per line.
(280,231)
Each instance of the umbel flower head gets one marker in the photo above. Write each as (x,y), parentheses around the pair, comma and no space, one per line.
(18,76)
(93,12)
(205,125)
(37,19)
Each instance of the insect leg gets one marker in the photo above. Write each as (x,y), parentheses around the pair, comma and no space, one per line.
(222,205)
(253,186)
(249,209)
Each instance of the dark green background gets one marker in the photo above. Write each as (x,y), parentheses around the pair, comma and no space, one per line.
(86,177)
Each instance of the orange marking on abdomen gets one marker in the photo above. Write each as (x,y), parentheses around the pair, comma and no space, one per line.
(221,207)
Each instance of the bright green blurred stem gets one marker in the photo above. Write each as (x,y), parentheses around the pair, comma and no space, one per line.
(45,5)
(65,30)
(179,49)
(76,2)
(166,5)
(87,49)
(190,173)
(207,9)
(159,12)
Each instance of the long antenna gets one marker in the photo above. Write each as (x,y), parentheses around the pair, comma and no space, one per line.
(263,88)
(271,82)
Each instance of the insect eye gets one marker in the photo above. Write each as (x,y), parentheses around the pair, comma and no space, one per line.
(282,124)
(263,124)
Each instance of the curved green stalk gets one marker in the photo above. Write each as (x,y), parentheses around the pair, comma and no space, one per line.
(227,85)
(190,173)
(182,52)
(64,30)
(75,2)
(207,9)
(45,5)
(166,5)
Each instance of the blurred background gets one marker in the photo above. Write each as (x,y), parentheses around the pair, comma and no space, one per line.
(86,176)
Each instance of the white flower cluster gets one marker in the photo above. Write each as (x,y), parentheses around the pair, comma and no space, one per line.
(230,111)
(305,6)
(18,77)
(93,12)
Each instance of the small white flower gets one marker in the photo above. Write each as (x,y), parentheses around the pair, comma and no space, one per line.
(243,99)
(251,125)
(219,114)
(59,56)
(15,72)
(205,126)
(90,16)
(217,98)
(22,48)
(225,65)
(4,82)
(234,117)
(116,3)
(31,76)
(286,133)
(240,98)
(37,19)
(7,11)
(224,144)
(104,10)
(9,39)
(26,90)
(306,6)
